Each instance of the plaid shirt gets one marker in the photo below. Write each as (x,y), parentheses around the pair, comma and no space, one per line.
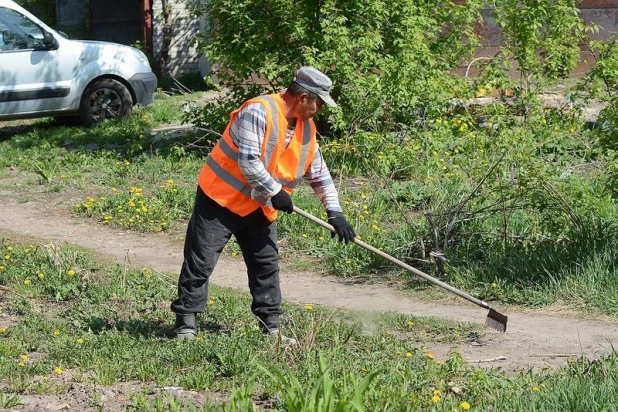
(247,133)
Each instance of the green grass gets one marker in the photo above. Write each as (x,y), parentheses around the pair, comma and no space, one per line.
(94,323)
(517,238)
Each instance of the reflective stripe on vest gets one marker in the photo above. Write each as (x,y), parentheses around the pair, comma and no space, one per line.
(222,180)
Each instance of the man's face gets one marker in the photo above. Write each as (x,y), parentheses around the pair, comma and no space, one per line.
(306,108)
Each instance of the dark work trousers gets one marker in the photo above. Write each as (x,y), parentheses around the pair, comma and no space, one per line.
(210,228)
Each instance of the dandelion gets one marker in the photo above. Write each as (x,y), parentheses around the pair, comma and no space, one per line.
(144,117)
(71,272)
(158,229)
(308,306)
(21,364)
(536,389)
(408,354)
(304,235)
(494,285)
(322,238)
(23,357)
(56,332)
(58,371)
(27,282)
(438,362)
(211,302)
(430,355)
(398,352)
(435,399)
(3,330)
(80,341)
(7,257)
(464,405)
(410,323)
(437,392)
(348,262)
(40,275)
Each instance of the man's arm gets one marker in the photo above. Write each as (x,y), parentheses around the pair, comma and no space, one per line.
(318,176)
(247,133)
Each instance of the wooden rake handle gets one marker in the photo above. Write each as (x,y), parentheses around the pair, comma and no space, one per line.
(397,261)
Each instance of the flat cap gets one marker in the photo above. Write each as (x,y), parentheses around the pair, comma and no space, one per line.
(316,82)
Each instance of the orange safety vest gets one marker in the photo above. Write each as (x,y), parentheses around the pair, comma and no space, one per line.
(221,178)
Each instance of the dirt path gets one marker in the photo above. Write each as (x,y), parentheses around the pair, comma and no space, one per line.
(532,339)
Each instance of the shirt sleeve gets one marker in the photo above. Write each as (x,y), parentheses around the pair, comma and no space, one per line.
(247,133)
(319,178)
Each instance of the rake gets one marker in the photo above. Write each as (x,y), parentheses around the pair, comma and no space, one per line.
(495,319)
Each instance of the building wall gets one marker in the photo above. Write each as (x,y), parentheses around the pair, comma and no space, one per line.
(601,12)
(184,57)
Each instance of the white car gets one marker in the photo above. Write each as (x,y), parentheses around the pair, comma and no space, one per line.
(42,73)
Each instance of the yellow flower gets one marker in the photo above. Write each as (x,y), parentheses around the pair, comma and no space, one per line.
(494,285)
(56,332)
(436,392)
(408,354)
(211,302)
(322,238)
(40,275)
(304,235)
(80,341)
(308,306)
(7,257)
(27,282)
(23,357)
(438,362)
(410,323)
(435,399)
(21,364)
(3,330)
(58,371)
(71,272)
(430,355)
(398,352)
(464,405)
(144,117)
(536,389)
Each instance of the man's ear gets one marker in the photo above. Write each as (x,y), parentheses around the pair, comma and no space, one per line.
(303,97)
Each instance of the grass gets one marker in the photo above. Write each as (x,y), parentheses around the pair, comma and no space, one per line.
(525,252)
(71,319)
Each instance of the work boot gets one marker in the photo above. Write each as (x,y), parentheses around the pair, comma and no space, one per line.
(275,333)
(185,327)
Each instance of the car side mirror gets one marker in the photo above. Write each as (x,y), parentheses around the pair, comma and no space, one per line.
(49,41)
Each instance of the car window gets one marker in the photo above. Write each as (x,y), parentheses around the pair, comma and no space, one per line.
(17,32)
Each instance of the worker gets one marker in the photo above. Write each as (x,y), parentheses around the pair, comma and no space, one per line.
(268,147)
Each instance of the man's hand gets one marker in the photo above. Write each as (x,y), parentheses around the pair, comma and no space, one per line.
(342,227)
(282,201)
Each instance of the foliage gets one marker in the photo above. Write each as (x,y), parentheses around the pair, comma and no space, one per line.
(388,60)
(542,37)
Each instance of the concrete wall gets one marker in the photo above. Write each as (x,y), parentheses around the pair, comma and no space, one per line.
(184,58)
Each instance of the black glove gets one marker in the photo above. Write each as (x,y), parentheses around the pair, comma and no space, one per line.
(342,227)
(282,201)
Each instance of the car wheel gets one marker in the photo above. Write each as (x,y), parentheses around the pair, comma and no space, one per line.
(104,99)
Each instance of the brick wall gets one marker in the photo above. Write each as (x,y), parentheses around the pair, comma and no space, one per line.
(601,12)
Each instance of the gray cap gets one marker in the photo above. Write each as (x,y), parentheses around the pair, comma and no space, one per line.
(317,82)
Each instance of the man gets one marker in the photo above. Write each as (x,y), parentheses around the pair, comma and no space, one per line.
(268,146)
